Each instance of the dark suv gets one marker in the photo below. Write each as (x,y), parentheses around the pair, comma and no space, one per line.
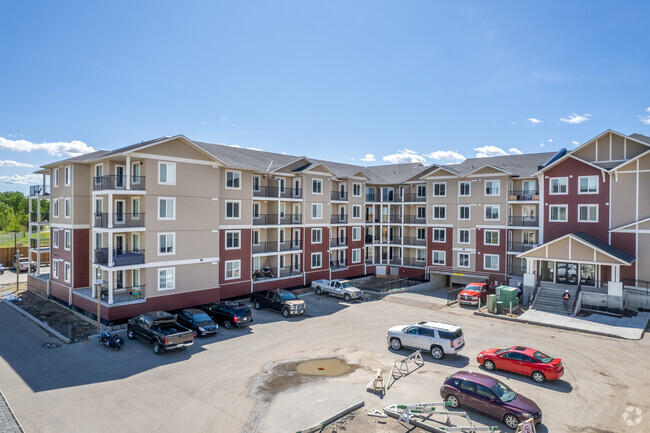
(231,314)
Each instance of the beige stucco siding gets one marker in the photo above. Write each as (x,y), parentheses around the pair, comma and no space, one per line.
(623,198)
(618,147)
(188,278)
(643,257)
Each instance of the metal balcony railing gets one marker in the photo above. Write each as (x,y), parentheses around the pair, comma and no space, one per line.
(397,240)
(34,217)
(409,240)
(277,192)
(118,182)
(414,219)
(290,245)
(339,195)
(291,193)
(523,221)
(265,219)
(120,257)
(293,218)
(371,240)
(338,219)
(521,247)
(132,293)
(414,262)
(39,190)
(338,264)
(524,195)
(338,242)
(120,220)
(265,247)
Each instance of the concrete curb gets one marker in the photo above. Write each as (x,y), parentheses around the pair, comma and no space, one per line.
(333,418)
(39,323)
(550,325)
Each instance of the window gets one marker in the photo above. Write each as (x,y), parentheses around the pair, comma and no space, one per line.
(68,175)
(588,184)
(484,391)
(588,213)
(356,211)
(68,208)
(55,177)
(491,262)
(491,237)
(463,260)
(166,244)
(233,269)
(491,212)
(256,210)
(317,211)
(356,233)
(166,279)
(55,238)
(135,208)
(256,238)
(440,189)
(439,235)
(356,255)
(422,191)
(135,173)
(463,213)
(559,185)
(439,257)
(492,187)
(464,189)
(316,236)
(463,236)
(316,260)
(439,212)
(55,268)
(167,173)
(166,208)
(420,255)
(232,209)
(256,183)
(135,244)
(356,189)
(55,211)
(558,213)
(232,239)
(67,235)
(422,212)
(421,234)
(66,272)
(233,179)
(99,240)
(317,186)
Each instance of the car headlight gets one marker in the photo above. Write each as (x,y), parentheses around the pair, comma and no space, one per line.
(480,355)
(201,328)
(527,415)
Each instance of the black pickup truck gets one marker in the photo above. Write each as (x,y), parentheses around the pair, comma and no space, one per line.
(161,329)
(285,302)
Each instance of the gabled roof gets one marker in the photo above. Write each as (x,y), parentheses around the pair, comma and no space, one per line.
(633,223)
(620,256)
(81,158)
(393,174)
(524,165)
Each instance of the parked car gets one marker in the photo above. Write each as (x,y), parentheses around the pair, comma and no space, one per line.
(196,320)
(25,264)
(473,292)
(490,396)
(285,302)
(230,314)
(439,339)
(522,360)
(161,329)
(2,269)
(340,288)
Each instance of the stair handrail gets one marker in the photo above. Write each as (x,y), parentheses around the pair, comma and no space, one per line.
(577,296)
(533,296)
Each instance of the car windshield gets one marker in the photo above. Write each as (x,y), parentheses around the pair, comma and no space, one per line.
(201,317)
(542,357)
(500,351)
(504,393)
(346,285)
(287,296)
(240,311)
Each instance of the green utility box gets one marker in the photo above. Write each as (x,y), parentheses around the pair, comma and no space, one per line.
(507,295)
(499,307)
(492,303)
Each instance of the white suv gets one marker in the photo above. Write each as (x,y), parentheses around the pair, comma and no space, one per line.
(437,338)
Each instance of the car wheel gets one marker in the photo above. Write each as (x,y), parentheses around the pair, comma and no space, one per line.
(347,297)
(130,334)
(157,348)
(511,421)
(257,305)
(489,365)
(196,333)
(453,401)
(319,291)
(437,352)
(286,313)
(226,324)
(538,376)
(395,343)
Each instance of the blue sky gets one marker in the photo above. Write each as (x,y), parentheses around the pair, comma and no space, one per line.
(338,80)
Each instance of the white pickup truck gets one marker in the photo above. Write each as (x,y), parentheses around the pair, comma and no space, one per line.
(341,288)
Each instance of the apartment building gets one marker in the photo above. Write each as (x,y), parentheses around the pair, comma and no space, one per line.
(172,222)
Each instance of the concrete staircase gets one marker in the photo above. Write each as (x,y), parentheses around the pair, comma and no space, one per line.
(549,299)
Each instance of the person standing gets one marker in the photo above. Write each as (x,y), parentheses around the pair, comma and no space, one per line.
(566,297)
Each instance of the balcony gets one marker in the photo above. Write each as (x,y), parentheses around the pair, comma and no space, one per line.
(339,196)
(125,294)
(414,219)
(120,220)
(292,218)
(275,219)
(269,273)
(520,247)
(414,262)
(412,241)
(523,195)
(277,192)
(395,240)
(371,240)
(45,244)
(120,257)
(265,247)
(290,245)
(523,221)
(34,217)
(338,242)
(39,190)
(115,182)
(410,198)
(338,219)
(336,265)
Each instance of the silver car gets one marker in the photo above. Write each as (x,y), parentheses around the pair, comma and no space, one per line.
(439,339)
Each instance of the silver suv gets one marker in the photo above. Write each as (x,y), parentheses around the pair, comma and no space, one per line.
(437,338)
(25,265)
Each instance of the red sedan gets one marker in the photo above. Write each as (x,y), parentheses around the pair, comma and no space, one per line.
(522,360)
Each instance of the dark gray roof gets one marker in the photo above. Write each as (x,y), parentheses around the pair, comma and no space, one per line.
(81,158)
(393,173)
(641,138)
(621,255)
(524,165)
(135,146)
(248,158)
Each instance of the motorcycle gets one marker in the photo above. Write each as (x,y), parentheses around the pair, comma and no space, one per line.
(114,341)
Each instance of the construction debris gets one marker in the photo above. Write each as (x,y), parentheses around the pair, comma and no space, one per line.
(403,369)
(420,415)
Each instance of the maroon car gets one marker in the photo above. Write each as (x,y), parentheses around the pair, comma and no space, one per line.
(490,396)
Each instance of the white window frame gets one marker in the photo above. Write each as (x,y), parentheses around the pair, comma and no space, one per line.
(135,213)
(469,260)
(238,203)
(460,212)
(67,208)
(55,268)
(356,211)
(320,259)
(55,175)
(67,240)
(255,237)
(68,175)
(356,234)
(420,255)
(318,182)
(485,218)
(236,176)
(580,184)
(438,252)
(166,270)
(234,271)
(580,206)
(354,186)
(422,188)
(356,252)
(485,238)
(259,183)
(566,213)
(318,206)
(460,188)
(485,257)
(550,185)
(55,238)
(67,271)
(55,210)
(173,251)
(320,236)
(167,218)
(444,210)
(167,182)
(460,238)
(236,234)
(498,188)
(438,184)
(444,236)
(423,210)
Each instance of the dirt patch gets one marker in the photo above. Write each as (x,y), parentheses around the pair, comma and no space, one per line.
(54,315)
(324,367)
(359,421)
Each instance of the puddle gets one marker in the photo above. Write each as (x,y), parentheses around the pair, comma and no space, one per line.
(324,367)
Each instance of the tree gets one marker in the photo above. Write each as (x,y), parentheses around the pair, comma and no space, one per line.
(14,207)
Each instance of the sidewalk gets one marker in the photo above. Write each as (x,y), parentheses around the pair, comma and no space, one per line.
(629,328)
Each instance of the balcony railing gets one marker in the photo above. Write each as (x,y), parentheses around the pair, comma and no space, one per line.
(290,245)
(120,220)
(120,257)
(414,219)
(33,243)
(339,195)
(397,240)
(276,192)
(113,181)
(45,217)
(338,219)
(408,240)
(132,293)
(515,270)
(265,247)
(520,247)
(292,218)
(270,273)
(265,219)
(411,197)
(524,195)
(413,262)
(523,221)
(338,242)
(39,190)
(372,240)
(338,264)
(396,198)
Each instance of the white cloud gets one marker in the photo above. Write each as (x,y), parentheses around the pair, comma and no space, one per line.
(60,148)
(575,118)
(541,144)
(488,151)
(404,156)
(445,155)
(550,140)
(533,121)
(645,119)
(8,163)
(223,118)
(515,151)
(17,179)
(575,143)
(368,158)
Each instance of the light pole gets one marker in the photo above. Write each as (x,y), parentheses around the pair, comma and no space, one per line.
(98,292)
(17,262)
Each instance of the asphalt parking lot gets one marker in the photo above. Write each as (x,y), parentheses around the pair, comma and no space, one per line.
(243,380)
